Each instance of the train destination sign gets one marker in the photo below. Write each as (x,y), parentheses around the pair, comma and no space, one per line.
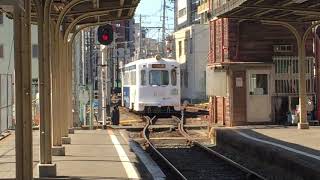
(158,66)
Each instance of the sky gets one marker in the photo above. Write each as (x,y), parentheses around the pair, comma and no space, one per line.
(151,10)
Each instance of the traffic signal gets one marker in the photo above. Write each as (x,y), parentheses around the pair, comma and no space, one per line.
(105,34)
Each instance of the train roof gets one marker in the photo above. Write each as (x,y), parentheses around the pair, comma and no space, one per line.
(152,60)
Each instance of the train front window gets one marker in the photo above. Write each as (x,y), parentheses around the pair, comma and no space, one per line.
(174,77)
(158,77)
(143,77)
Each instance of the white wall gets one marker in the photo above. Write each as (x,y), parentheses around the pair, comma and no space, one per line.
(7,67)
(195,62)
(6,34)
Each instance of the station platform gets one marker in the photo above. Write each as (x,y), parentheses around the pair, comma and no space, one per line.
(92,154)
(286,147)
(305,142)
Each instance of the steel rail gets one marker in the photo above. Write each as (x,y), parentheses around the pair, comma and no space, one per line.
(146,137)
(250,173)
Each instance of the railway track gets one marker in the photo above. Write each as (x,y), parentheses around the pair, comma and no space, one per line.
(193,160)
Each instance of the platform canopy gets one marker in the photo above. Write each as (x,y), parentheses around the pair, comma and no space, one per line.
(275,10)
(117,10)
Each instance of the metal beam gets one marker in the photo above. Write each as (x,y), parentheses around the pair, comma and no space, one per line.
(66,9)
(121,5)
(85,16)
(261,19)
(281,8)
(115,8)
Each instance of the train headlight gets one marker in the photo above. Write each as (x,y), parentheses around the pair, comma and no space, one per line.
(174,92)
(158,57)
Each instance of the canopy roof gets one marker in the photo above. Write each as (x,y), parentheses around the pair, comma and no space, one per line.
(275,10)
(110,10)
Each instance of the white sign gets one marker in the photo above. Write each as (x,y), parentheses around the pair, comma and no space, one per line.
(239,82)
(84,97)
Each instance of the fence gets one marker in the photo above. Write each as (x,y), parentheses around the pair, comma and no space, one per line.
(287,75)
(6,102)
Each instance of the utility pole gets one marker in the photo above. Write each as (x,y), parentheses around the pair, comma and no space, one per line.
(91,82)
(140,37)
(164,29)
(117,70)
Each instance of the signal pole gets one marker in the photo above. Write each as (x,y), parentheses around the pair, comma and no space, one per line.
(140,37)
(164,29)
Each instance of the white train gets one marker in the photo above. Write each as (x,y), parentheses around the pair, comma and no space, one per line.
(151,85)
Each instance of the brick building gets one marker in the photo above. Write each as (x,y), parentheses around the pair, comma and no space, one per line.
(252,73)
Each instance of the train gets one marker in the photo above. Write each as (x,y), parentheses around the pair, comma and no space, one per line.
(151,85)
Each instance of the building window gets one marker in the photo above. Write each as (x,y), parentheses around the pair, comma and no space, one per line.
(185,46)
(143,77)
(259,84)
(34,50)
(180,48)
(182,12)
(173,77)
(133,77)
(158,77)
(190,46)
(1,51)
(1,18)
(282,48)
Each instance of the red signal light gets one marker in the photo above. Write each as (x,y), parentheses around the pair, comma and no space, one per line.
(105,34)
(105,37)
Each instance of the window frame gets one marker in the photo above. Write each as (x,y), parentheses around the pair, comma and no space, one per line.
(143,76)
(255,85)
(162,84)
(1,18)
(1,51)
(176,77)
(180,48)
(35,51)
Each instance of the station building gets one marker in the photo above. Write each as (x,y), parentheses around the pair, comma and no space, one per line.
(192,46)
(253,74)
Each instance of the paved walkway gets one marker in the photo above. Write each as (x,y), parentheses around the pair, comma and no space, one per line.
(305,142)
(95,154)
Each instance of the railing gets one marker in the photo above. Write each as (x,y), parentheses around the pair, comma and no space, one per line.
(6,102)
(287,75)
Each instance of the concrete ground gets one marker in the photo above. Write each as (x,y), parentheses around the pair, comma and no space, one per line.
(305,141)
(92,154)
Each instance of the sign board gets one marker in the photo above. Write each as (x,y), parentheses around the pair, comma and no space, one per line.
(84,97)
(158,66)
(216,82)
(95,103)
(239,82)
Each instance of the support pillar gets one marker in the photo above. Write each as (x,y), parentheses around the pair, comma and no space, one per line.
(69,87)
(63,80)
(46,167)
(64,91)
(301,42)
(303,123)
(22,63)
(57,148)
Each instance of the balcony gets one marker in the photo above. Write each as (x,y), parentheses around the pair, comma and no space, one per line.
(203,7)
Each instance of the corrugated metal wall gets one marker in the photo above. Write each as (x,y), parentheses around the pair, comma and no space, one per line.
(6,102)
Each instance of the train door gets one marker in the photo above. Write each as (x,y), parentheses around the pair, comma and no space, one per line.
(258,96)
